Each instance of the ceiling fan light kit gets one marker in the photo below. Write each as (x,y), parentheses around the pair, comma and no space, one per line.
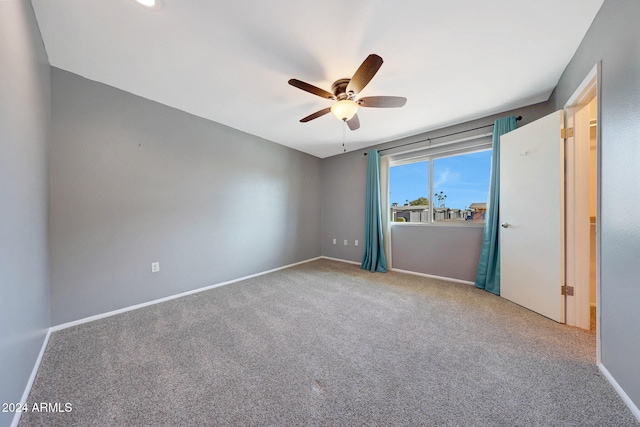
(344,109)
(344,91)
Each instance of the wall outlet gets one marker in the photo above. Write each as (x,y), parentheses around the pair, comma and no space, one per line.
(356,243)
(345,242)
(155,267)
(334,241)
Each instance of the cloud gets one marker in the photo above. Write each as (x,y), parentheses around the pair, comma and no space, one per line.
(445,176)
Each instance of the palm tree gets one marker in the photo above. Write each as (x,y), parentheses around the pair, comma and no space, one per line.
(441,198)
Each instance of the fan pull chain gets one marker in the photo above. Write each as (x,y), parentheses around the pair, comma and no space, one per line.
(344,135)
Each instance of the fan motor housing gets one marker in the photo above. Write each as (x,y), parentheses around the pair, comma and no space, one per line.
(339,89)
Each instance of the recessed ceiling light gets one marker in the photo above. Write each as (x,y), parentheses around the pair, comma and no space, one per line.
(149,3)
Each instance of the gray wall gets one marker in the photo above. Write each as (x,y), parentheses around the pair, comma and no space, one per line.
(343,199)
(24,255)
(614,38)
(439,250)
(429,249)
(134,182)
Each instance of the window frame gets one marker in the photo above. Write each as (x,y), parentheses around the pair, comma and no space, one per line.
(429,155)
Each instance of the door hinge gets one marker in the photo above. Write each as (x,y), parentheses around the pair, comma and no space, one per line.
(566,290)
(566,133)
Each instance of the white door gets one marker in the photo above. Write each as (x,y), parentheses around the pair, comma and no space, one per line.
(532,216)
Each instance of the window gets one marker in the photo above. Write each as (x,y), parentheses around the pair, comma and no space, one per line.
(440,188)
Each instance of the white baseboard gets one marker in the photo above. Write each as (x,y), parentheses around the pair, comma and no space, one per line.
(431,276)
(625,398)
(397,270)
(169,298)
(32,378)
(340,260)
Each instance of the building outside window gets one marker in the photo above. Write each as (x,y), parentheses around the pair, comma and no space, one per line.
(440,188)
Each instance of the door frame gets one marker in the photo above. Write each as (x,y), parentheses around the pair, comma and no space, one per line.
(590,87)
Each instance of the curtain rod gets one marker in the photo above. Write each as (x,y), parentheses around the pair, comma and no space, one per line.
(441,136)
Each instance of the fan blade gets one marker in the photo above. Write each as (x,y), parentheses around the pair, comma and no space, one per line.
(354,123)
(316,115)
(311,89)
(382,101)
(364,74)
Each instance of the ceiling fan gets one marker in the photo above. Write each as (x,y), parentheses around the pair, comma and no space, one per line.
(344,92)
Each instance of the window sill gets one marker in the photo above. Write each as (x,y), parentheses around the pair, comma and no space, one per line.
(439,224)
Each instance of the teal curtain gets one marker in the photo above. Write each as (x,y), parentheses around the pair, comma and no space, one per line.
(373,258)
(488,273)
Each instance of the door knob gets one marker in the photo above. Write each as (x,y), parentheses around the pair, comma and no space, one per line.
(505,225)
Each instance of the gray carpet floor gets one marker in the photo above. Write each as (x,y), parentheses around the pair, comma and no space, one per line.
(327,344)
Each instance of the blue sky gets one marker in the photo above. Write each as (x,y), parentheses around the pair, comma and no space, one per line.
(464,179)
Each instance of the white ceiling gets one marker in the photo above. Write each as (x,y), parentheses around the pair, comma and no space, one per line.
(229,61)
